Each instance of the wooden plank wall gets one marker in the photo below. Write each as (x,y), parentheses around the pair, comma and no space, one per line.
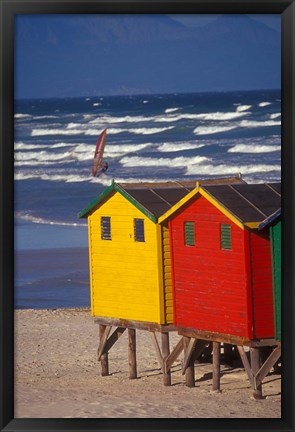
(124,273)
(168,299)
(210,284)
(261,267)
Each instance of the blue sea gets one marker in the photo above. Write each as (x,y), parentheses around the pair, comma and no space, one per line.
(149,138)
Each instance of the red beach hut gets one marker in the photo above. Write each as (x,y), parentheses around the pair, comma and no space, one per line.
(221,262)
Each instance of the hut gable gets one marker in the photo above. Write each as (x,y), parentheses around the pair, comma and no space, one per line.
(221,264)
(250,204)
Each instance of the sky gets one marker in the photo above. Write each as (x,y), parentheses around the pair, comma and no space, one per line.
(90,55)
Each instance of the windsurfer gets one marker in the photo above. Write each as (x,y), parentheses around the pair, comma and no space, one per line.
(104,167)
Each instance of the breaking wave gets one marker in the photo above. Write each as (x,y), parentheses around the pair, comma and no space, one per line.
(95,132)
(180,161)
(241,108)
(244,148)
(22,116)
(224,169)
(213,129)
(275,115)
(67,178)
(167,147)
(38,220)
(253,123)
(209,130)
(169,110)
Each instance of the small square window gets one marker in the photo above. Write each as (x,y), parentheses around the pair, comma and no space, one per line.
(189,233)
(139,230)
(105,225)
(225,236)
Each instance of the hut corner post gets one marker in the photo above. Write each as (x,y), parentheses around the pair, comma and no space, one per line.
(255,366)
(165,354)
(104,360)
(190,367)
(216,366)
(132,353)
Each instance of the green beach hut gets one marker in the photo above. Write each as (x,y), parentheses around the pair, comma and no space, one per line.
(273,223)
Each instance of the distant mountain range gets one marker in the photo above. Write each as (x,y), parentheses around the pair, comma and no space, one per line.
(89,55)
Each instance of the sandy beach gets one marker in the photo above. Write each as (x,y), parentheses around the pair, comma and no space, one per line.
(57,375)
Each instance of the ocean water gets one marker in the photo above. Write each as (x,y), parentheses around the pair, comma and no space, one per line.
(149,138)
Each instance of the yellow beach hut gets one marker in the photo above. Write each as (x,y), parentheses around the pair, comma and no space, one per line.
(129,252)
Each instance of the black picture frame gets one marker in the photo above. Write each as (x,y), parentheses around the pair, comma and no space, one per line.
(10,8)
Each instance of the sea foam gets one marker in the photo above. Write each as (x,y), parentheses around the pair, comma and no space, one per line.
(169,110)
(176,147)
(241,108)
(180,161)
(39,220)
(225,169)
(209,130)
(244,148)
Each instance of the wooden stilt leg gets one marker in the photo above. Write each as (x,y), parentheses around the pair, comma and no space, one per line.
(104,360)
(216,366)
(255,366)
(190,369)
(132,353)
(165,353)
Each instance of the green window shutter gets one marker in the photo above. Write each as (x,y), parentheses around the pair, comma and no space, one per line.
(105,225)
(189,233)
(139,230)
(225,236)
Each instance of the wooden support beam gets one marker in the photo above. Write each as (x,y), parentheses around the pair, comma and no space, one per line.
(246,365)
(168,362)
(138,325)
(104,332)
(157,349)
(165,353)
(113,338)
(189,347)
(255,366)
(132,353)
(104,361)
(216,366)
(107,343)
(263,343)
(266,367)
(189,344)
(212,336)
(196,348)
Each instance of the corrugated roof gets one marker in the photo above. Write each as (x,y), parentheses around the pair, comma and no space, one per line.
(158,198)
(157,201)
(247,202)
(153,199)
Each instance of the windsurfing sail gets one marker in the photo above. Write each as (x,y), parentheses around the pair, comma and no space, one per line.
(98,154)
